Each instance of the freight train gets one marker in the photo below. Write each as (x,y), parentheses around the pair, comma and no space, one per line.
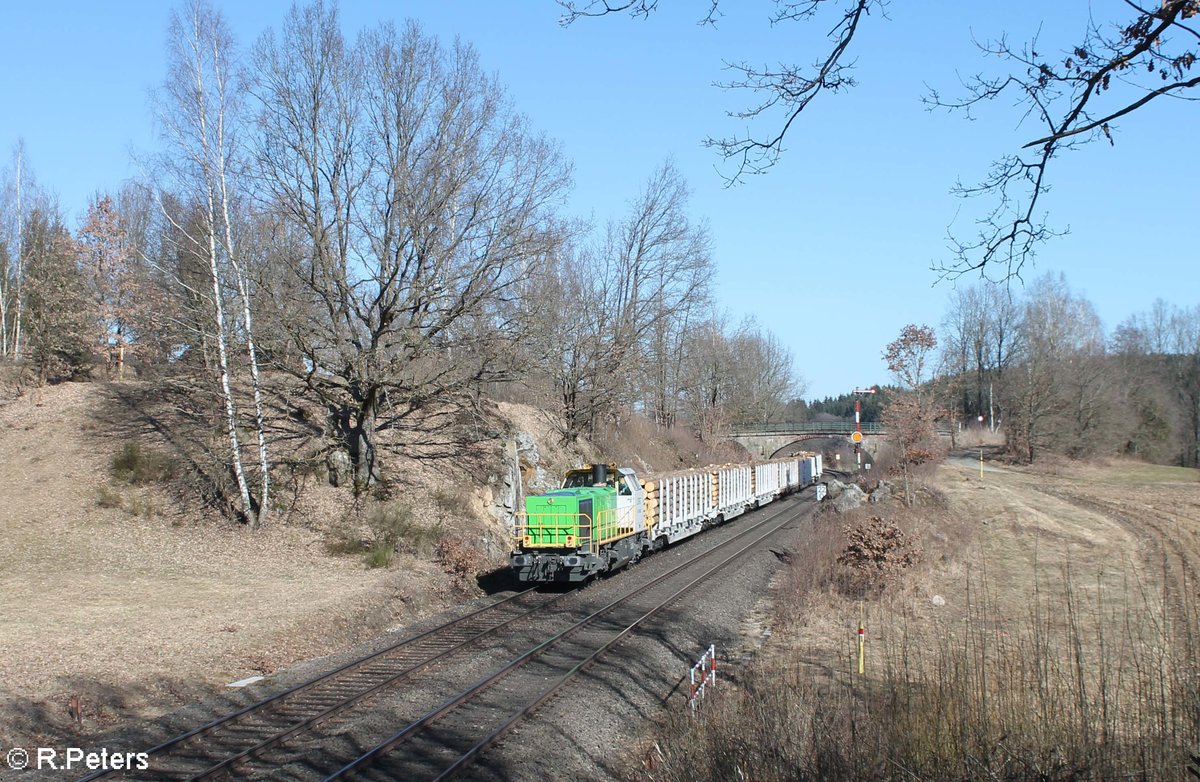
(604,517)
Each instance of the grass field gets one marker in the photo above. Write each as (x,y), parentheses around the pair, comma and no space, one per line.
(1049,630)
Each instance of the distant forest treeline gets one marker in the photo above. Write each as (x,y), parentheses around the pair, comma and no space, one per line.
(839,407)
(1039,364)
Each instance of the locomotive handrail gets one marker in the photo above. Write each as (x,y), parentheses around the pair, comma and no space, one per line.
(559,534)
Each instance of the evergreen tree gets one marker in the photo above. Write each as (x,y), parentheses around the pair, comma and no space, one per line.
(59,317)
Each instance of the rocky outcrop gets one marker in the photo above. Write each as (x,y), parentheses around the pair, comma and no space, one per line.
(520,473)
(844,496)
(847,496)
(341,471)
(881,494)
(851,497)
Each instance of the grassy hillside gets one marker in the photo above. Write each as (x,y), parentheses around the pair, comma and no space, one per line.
(1047,629)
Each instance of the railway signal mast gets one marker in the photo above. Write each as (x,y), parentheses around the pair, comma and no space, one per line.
(857,437)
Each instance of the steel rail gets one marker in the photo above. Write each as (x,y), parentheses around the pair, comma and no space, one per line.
(279,738)
(487,681)
(467,757)
(350,667)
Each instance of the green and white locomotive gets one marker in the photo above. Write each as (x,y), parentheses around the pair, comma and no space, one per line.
(595,523)
(604,517)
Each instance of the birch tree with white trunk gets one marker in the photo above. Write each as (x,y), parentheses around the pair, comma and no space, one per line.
(199,100)
(12,272)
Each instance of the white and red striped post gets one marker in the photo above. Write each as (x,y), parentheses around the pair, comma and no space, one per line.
(858,392)
(857,429)
(702,675)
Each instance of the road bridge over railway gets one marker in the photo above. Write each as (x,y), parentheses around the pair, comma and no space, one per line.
(765,440)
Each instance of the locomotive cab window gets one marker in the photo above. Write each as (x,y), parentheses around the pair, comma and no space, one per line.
(582,479)
(626,489)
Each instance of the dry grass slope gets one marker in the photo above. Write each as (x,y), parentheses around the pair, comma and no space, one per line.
(1063,644)
(116,593)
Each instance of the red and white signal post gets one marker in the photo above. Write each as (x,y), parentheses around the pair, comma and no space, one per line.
(857,437)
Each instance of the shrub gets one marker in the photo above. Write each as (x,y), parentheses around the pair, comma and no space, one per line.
(453,503)
(140,466)
(342,541)
(109,497)
(380,555)
(393,528)
(458,557)
(143,506)
(874,551)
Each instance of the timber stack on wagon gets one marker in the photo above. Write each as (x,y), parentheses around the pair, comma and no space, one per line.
(605,517)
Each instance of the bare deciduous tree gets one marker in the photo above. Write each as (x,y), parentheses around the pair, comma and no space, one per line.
(1114,70)
(7,265)
(1059,331)
(197,122)
(1185,370)
(15,199)
(421,202)
(613,332)
(152,311)
(911,412)
(568,342)
(978,331)
(708,372)
(780,94)
(661,268)
(743,376)
(762,374)
(1161,353)
(1075,98)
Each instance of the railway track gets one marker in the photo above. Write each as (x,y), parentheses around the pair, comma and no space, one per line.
(281,736)
(447,739)
(217,747)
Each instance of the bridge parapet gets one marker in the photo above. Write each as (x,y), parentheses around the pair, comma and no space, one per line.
(763,440)
(831,428)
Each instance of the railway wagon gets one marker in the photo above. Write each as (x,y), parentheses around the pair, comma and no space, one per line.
(605,517)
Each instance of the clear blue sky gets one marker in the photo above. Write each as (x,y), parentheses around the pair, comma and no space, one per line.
(831,250)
